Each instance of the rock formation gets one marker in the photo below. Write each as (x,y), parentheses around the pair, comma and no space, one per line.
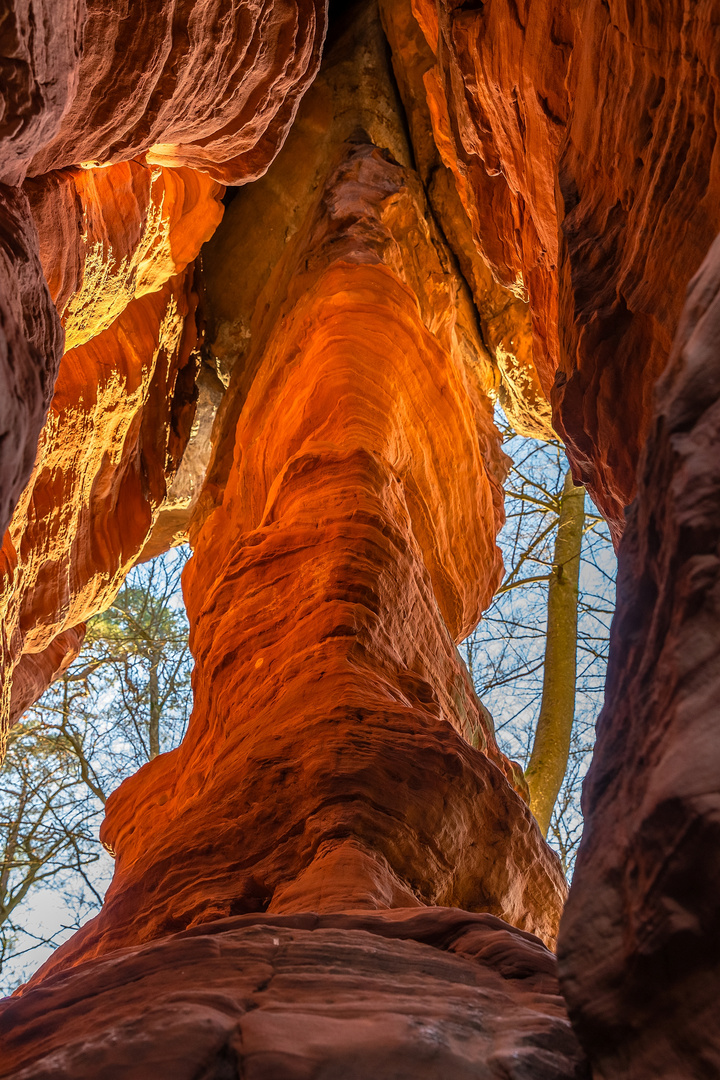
(583,139)
(356,377)
(420,994)
(470,202)
(640,941)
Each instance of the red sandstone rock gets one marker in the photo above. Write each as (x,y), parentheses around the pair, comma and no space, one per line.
(213,84)
(337,757)
(504,316)
(328,764)
(110,235)
(119,418)
(40,45)
(401,996)
(640,944)
(107,236)
(583,139)
(34,672)
(31,342)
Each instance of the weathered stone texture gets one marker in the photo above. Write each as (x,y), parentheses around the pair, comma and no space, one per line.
(514,212)
(334,729)
(31,344)
(395,996)
(640,946)
(112,441)
(583,140)
(213,84)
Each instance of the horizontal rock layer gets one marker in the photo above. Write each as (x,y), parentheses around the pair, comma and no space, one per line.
(406,995)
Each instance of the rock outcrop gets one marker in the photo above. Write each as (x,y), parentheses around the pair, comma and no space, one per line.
(403,995)
(109,235)
(117,424)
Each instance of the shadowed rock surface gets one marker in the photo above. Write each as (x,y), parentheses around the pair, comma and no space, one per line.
(640,948)
(405,995)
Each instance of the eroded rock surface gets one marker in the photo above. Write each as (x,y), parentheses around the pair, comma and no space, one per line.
(640,945)
(213,84)
(31,344)
(583,141)
(335,731)
(405,995)
(110,240)
(515,214)
(119,417)
(113,234)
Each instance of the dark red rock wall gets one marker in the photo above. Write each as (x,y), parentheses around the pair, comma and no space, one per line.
(213,84)
(31,344)
(640,945)
(40,48)
(583,139)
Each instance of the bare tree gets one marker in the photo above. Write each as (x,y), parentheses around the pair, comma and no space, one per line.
(508,654)
(551,746)
(126,699)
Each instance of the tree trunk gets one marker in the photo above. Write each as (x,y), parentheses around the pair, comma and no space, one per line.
(551,748)
(154,727)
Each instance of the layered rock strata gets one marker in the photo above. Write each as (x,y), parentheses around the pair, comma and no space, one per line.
(335,732)
(213,84)
(404,995)
(583,140)
(337,758)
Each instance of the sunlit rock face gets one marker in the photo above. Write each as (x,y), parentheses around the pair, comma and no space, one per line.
(114,245)
(337,561)
(583,140)
(113,234)
(101,472)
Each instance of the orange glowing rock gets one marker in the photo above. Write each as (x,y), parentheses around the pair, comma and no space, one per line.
(337,757)
(113,437)
(110,235)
